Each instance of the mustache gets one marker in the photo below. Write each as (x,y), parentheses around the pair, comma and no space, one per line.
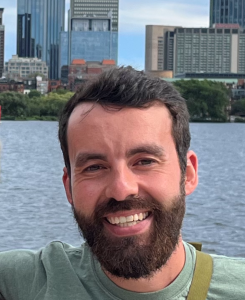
(134,202)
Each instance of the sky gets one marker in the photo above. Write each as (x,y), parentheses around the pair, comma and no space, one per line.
(134,15)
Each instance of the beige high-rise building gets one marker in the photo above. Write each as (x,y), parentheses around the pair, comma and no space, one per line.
(159,48)
(194,50)
(209,50)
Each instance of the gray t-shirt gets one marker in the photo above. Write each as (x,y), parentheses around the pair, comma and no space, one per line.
(61,272)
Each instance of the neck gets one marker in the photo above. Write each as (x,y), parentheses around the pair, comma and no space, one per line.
(161,279)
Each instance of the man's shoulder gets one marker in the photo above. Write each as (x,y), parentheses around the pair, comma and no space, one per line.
(20,268)
(228,278)
(225,264)
(31,256)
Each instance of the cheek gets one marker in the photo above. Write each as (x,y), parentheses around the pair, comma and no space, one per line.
(85,196)
(164,186)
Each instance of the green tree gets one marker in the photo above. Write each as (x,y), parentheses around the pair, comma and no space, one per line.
(13,104)
(238,107)
(205,99)
(61,91)
(53,103)
(34,93)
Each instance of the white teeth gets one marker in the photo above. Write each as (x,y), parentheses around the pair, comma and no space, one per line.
(132,223)
(136,217)
(127,224)
(122,220)
(140,216)
(129,220)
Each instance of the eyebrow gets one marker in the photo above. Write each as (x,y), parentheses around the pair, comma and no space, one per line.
(83,158)
(149,149)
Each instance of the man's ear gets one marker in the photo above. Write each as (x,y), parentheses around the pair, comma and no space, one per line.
(67,185)
(191,176)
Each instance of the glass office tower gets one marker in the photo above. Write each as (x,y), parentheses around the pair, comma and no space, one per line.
(39,23)
(93,39)
(98,20)
(92,32)
(227,12)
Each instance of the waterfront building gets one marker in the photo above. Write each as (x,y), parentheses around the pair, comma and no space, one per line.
(11,85)
(39,23)
(54,85)
(209,50)
(42,85)
(20,68)
(2,34)
(159,49)
(227,11)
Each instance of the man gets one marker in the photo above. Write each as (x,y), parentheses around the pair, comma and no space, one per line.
(125,141)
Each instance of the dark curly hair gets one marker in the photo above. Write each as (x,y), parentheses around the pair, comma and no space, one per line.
(126,87)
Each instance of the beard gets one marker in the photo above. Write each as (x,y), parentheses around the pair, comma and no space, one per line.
(138,256)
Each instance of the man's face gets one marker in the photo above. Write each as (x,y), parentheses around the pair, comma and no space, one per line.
(125,187)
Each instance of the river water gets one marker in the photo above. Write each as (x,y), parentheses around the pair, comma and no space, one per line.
(34,210)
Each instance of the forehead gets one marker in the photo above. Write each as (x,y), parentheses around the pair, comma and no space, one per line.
(94,114)
(86,109)
(92,121)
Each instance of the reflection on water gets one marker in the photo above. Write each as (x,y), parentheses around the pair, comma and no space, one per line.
(34,209)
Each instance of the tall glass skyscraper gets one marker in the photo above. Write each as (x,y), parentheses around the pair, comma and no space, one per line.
(227,12)
(39,23)
(92,32)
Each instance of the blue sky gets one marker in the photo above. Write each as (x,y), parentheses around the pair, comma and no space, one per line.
(133,16)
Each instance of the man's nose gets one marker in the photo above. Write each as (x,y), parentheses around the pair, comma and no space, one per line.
(122,184)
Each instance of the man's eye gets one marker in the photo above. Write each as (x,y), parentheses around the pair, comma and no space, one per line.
(93,168)
(145,162)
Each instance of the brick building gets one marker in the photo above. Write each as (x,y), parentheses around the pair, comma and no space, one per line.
(80,71)
(11,85)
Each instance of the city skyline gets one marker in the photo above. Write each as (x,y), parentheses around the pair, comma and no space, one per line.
(133,17)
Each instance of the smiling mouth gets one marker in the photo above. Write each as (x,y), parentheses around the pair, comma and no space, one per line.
(129,220)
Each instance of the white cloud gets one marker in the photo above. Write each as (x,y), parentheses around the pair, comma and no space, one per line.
(135,18)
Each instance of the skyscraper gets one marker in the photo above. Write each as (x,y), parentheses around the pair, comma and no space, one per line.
(39,23)
(159,48)
(227,12)
(92,31)
(99,8)
(2,29)
(209,50)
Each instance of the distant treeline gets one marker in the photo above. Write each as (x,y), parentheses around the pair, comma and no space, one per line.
(206,100)
(209,100)
(34,106)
